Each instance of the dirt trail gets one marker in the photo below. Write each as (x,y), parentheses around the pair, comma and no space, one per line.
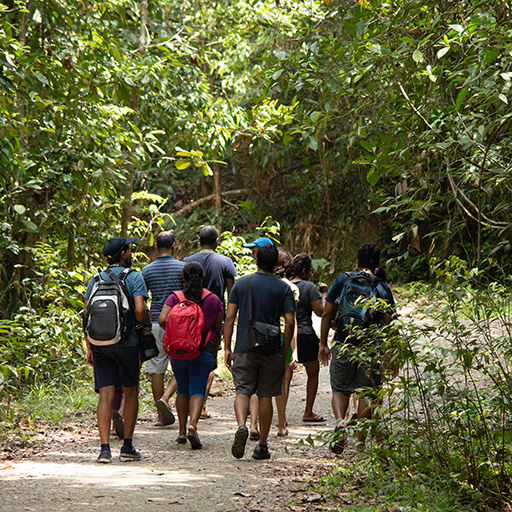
(62,474)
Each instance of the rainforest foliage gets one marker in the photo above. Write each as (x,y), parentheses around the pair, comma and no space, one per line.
(338,121)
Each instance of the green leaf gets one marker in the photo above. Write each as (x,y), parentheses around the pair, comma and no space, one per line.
(372,177)
(503,98)
(313,143)
(19,208)
(461,96)
(181,164)
(417,56)
(42,78)
(443,51)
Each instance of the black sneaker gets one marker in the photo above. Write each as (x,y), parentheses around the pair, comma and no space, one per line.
(105,457)
(238,448)
(338,446)
(261,452)
(129,453)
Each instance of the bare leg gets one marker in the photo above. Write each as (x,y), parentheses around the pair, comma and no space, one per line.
(312,370)
(104,412)
(182,402)
(242,408)
(339,405)
(282,400)
(265,415)
(253,429)
(204,412)
(171,389)
(131,409)
(196,405)
(364,411)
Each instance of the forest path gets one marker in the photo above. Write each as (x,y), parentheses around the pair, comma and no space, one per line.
(60,473)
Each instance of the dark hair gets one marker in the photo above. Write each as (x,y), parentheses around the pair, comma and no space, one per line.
(381,274)
(284,262)
(165,240)
(301,262)
(368,256)
(193,274)
(267,257)
(116,258)
(208,236)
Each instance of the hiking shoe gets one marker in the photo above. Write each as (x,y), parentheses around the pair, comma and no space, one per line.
(261,452)
(338,445)
(238,448)
(129,453)
(105,457)
(118,424)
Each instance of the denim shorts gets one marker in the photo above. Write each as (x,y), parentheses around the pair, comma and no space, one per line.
(192,374)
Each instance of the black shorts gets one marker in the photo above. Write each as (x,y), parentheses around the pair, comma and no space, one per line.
(307,347)
(108,360)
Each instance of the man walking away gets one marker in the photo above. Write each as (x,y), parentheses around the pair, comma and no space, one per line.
(348,376)
(219,276)
(254,372)
(122,357)
(163,276)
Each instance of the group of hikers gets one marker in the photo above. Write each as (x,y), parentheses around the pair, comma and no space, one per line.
(188,318)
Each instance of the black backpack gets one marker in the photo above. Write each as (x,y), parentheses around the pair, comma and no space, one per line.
(108,317)
(356,305)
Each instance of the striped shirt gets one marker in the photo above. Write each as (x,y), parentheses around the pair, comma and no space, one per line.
(163,276)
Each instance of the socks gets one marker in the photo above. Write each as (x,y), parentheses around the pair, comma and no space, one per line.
(105,447)
(128,443)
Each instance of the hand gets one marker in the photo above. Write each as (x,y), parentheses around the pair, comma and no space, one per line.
(324,354)
(228,359)
(89,356)
(294,363)
(323,288)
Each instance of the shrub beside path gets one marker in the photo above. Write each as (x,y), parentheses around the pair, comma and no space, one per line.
(60,472)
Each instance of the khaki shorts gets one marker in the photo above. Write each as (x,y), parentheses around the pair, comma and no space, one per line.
(255,373)
(159,363)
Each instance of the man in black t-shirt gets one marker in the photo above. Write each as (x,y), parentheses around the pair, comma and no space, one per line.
(256,373)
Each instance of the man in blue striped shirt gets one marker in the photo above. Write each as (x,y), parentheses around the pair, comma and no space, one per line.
(163,276)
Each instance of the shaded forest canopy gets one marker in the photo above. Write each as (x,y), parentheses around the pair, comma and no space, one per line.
(344,121)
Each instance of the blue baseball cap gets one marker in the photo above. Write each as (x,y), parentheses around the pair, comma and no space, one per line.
(259,242)
(114,245)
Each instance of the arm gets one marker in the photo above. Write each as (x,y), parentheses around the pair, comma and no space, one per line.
(317,306)
(140,308)
(162,319)
(228,333)
(89,350)
(323,351)
(230,281)
(290,320)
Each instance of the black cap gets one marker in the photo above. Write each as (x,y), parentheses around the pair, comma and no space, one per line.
(114,245)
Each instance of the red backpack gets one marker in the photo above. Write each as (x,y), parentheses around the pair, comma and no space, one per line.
(185,337)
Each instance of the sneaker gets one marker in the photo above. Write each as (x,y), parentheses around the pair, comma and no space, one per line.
(261,452)
(129,453)
(338,446)
(238,448)
(105,457)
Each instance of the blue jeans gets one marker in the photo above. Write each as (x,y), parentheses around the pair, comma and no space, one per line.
(192,374)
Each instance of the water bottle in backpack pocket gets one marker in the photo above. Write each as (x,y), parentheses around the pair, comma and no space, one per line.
(108,317)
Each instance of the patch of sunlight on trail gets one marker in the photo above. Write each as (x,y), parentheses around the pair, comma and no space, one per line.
(116,474)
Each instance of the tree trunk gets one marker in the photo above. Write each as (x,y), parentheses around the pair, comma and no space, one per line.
(130,167)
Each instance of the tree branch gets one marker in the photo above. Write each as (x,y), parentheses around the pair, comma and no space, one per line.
(206,199)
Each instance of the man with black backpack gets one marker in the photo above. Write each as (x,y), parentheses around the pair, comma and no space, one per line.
(353,302)
(114,303)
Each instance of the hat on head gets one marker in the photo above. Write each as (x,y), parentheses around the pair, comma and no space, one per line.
(259,242)
(114,245)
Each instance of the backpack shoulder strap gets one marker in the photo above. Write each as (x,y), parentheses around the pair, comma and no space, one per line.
(180,295)
(205,293)
(120,281)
